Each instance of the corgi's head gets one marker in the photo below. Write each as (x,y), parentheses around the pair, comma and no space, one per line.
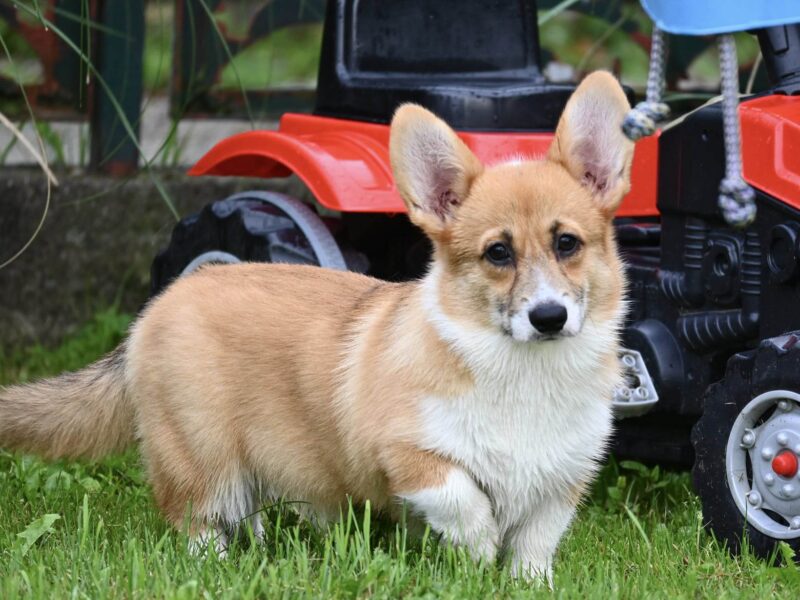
(528,246)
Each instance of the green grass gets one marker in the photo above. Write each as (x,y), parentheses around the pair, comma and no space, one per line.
(96,338)
(91,531)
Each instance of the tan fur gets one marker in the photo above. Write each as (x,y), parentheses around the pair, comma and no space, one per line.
(76,414)
(577,493)
(273,375)
(600,115)
(527,201)
(306,382)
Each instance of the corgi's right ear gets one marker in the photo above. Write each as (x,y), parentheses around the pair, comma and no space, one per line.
(433,169)
(589,142)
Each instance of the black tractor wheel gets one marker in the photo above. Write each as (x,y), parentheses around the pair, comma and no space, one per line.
(251,226)
(747,447)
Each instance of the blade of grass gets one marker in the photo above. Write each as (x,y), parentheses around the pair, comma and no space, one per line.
(753,72)
(85,41)
(169,140)
(49,177)
(637,524)
(676,97)
(170,148)
(117,108)
(9,147)
(229,54)
(556,10)
(38,157)
(85,20)
(610,30)
(110,152)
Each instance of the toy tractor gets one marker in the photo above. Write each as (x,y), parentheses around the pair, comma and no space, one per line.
(713,334)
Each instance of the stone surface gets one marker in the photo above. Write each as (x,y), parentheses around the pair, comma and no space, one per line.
(96,244)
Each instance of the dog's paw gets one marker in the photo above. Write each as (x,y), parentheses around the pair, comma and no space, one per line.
(210,540)
(460,512)
(481,539)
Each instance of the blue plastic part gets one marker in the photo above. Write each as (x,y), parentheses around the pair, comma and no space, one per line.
(705,17)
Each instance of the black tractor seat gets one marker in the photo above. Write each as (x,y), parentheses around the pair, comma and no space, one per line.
(475,64)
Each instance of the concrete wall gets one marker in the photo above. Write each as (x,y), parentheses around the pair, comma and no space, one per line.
(95,247)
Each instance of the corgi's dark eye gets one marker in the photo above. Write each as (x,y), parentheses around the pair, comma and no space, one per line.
(567,245)
(498,254)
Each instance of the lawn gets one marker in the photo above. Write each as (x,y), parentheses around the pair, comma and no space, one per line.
(82,530)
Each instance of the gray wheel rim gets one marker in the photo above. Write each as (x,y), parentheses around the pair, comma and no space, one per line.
(214,256)
(319,238)
(765,490)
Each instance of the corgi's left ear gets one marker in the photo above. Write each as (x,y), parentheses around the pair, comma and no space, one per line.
(589,141)
(433,169)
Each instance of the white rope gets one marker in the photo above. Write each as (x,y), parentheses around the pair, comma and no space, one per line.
(737,200)
(642,120)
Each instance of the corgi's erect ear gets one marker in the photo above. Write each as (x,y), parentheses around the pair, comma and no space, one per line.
(589,141)
(433,169)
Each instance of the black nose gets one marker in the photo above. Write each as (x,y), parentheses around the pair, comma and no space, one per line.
(548,317)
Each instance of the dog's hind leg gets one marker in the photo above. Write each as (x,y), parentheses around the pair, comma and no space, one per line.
(234,503)
(213,507)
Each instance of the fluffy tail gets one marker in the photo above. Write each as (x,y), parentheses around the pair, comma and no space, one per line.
(82,414)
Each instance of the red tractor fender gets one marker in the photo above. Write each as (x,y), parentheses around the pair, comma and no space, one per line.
(771,146)
(345,164)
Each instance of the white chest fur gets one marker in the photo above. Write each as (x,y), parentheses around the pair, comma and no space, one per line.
(535,422)
(521,441)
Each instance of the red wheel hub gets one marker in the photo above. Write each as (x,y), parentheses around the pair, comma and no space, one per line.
(785,464)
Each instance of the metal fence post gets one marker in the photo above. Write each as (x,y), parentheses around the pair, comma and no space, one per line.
(115,111)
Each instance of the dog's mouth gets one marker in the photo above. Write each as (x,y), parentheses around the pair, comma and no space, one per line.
(547,337)
(538,337)
(551,337)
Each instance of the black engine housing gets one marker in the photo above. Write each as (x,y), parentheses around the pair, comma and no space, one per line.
(700,290)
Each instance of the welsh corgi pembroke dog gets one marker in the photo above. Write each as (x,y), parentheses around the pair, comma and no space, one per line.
(477,398)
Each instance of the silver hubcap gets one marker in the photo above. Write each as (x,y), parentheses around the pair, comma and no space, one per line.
(767,435)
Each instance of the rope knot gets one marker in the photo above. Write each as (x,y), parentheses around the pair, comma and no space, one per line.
(737,201)
(642,120)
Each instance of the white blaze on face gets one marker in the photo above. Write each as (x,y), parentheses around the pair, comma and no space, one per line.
(545,292)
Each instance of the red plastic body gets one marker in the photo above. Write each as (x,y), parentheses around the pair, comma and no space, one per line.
(345,164)
(771,146)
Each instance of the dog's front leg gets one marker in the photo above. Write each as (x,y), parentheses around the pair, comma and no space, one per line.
(448,499)
(533,542)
